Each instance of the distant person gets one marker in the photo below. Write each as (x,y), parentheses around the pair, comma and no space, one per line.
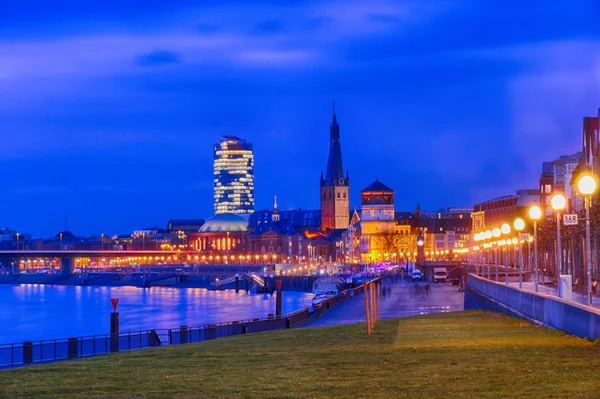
(427,290)
(383,292)
(389,291)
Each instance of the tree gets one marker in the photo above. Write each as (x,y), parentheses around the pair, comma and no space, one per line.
(385,243)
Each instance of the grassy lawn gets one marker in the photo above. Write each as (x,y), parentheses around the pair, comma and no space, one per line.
(456,355)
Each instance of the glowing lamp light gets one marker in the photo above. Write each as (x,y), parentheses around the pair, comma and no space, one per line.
(558,202)
(515,241)
(505,229)
(496,232)
(586,185)
(535,213)
(519,224)
(488,234)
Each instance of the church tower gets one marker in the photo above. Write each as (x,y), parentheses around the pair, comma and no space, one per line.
(335,188)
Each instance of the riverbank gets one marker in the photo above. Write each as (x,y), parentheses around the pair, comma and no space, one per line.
(290,283)
(463,354)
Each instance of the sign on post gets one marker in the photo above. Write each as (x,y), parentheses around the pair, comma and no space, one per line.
(114,302)
(570,219)
(524,236)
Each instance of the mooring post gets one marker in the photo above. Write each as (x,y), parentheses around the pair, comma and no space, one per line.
(114,326)
(278,300)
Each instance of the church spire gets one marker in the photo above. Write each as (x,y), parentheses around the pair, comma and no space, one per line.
(334,175)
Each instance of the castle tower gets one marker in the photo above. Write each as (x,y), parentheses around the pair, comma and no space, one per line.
(335,189)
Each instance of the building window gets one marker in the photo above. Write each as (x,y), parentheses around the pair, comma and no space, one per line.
(344,195)
(338,195)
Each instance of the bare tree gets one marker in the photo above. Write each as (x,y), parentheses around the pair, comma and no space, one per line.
(385,242)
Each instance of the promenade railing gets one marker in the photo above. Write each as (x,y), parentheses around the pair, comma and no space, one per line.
(47,351)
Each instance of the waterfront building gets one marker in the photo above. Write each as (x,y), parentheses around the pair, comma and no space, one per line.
(590,158)
(221,238)
(556,178)
(233,176)
(377,222)
(335,188)
(444,231)
(493,213)
(184,225)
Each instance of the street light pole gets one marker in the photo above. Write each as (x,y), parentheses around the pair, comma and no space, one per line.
(535,213)
(519,226)
(558,203)
(588,249)
(505,229)
(587,186)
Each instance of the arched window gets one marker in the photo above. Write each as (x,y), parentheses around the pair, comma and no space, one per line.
(344,195)
(338,195)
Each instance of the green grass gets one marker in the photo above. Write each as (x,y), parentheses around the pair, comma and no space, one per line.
(456,355)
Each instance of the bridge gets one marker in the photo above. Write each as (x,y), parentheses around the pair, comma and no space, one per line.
(66,256)
(249,277)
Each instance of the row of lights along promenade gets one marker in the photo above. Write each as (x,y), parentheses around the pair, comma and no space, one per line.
(495,243)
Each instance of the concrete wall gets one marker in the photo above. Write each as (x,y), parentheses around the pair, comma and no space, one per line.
(580,320)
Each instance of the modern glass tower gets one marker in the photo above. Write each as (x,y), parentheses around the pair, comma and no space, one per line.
(234,176)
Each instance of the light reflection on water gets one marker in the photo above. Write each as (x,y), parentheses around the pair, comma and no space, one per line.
(37,311)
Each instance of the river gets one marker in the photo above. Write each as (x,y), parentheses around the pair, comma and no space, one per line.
(31,312)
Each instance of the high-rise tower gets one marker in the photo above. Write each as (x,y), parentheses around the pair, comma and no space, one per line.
(234,176)
(335,188)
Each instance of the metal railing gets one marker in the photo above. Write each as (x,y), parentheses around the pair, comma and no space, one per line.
(46,351)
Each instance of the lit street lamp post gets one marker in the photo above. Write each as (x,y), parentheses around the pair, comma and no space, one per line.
(505,229)
(488,236)
(535,213)
(496,234)
(558,203)
(519,225)
(587,187)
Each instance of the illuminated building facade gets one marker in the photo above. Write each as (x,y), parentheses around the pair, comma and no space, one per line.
(377,220)
(233,176)
(335,189)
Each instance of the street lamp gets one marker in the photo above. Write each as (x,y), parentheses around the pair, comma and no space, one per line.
(18,234)
(558,203)
(535,213)
(505,229)
(496,233)
(587,186)
(519,225)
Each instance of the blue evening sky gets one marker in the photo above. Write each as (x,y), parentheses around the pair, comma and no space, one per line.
(109,109)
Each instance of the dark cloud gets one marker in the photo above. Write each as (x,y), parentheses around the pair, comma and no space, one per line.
(158,58)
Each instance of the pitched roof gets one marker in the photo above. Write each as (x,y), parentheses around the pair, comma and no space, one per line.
(377,186)
(299,218)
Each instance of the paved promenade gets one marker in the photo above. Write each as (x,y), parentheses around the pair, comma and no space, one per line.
(407,299)
(579,298)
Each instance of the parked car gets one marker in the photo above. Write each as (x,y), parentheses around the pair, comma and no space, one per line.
(417,275)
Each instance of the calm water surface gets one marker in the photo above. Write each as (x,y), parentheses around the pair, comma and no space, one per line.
(36,312)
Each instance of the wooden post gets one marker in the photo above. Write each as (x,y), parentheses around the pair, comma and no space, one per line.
(373,310)
(367,316)
(379,301)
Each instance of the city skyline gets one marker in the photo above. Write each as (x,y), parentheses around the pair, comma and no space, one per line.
(120,137)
